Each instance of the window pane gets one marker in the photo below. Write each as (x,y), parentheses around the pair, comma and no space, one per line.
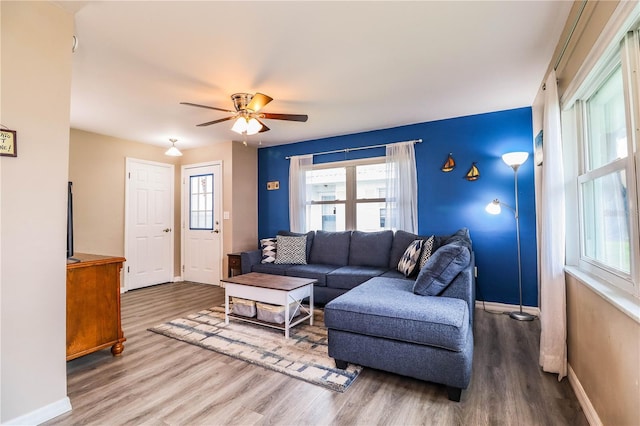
(326,217)
(607,133)
(201,203)
(606,221)
(370,216)
(371,181)
(326,184)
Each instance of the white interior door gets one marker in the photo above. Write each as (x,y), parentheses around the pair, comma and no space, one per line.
(149,223)
(202,223)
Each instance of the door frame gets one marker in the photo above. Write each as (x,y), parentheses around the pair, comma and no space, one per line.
(218,188)
(127,175)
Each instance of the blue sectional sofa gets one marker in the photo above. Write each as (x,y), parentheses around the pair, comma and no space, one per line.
(419,326)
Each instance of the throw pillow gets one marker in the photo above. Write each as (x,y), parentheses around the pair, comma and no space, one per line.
(309,236)
(441,269)
(291,250)
(268,246)
(427,250)
(409,259)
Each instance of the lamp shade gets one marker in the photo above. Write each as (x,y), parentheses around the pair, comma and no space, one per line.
(253,126)
(173,151)
(493,207)
(515,159)
(240,126)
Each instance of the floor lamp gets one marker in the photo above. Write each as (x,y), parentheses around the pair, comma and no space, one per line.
(513,160)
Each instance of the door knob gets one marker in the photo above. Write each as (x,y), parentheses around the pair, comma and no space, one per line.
(166,230)
(217,231)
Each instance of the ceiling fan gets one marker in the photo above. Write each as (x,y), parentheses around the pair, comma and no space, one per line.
(247,115)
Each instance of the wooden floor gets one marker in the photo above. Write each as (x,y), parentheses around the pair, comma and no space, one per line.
(159,380)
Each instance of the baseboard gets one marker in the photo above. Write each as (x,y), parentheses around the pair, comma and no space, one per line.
(43,414)
(589,412)
(503,307)
(177,279)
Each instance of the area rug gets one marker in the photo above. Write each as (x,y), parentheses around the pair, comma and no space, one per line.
(303,356)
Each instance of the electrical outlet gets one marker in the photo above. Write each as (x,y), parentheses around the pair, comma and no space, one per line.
(273,185)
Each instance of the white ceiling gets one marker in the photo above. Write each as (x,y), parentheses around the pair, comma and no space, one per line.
(352,66)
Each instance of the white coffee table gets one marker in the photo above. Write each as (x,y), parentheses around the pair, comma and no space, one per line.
(274,289)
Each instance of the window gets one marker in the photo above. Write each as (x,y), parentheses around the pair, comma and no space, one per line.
(201,202)
(604,118)
(349,195)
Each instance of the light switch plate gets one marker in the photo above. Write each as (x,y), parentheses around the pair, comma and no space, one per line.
(273,185)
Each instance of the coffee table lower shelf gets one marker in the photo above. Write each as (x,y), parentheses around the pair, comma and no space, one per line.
(282,327)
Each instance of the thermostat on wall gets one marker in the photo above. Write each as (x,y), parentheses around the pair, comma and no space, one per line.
(273,185)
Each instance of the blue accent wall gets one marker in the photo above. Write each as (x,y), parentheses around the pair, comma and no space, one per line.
(446,201)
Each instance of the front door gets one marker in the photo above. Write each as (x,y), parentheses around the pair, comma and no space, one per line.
(149,223)
(202,223)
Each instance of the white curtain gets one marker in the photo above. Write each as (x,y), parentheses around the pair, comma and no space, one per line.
(402,188)
(553,322)
(298,166)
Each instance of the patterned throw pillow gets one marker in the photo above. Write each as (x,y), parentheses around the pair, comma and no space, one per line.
(268,246)
(427,250)
(291,250)
(409,259)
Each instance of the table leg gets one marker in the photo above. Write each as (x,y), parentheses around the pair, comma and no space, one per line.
(311,305)
(287,319)
(226,308)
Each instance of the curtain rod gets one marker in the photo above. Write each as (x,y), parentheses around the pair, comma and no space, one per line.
(573,28)
(336,151)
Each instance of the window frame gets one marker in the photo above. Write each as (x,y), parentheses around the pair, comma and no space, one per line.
(626,56)
(351,190)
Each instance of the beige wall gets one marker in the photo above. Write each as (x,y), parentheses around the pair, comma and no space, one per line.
(603,343)
(604,352)
(97,166)
(35,101)
(97,170)
(245,198)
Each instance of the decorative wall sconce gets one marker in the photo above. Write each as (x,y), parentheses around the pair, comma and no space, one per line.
(449,165)
(473,173)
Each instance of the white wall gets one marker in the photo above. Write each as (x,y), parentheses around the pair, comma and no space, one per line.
(35,98)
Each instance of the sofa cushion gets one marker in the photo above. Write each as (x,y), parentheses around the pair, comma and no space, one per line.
(370,248)
(309,236)
(270,268)
(331,248)
(268,247)
(461,236)
(312,271)
(409,259)
(401,240)
(291,250)
(393,273)
(441,268)
(348,277)
(434,321)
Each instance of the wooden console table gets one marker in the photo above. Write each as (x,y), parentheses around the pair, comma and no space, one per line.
(93,305)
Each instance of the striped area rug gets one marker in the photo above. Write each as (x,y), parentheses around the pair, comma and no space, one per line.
(303,356)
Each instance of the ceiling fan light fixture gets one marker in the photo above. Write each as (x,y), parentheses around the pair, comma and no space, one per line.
(240,126)
(253,126)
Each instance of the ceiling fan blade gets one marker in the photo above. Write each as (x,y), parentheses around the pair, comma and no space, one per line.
(288,117)
(208,123)
(258,101)
(204,106)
